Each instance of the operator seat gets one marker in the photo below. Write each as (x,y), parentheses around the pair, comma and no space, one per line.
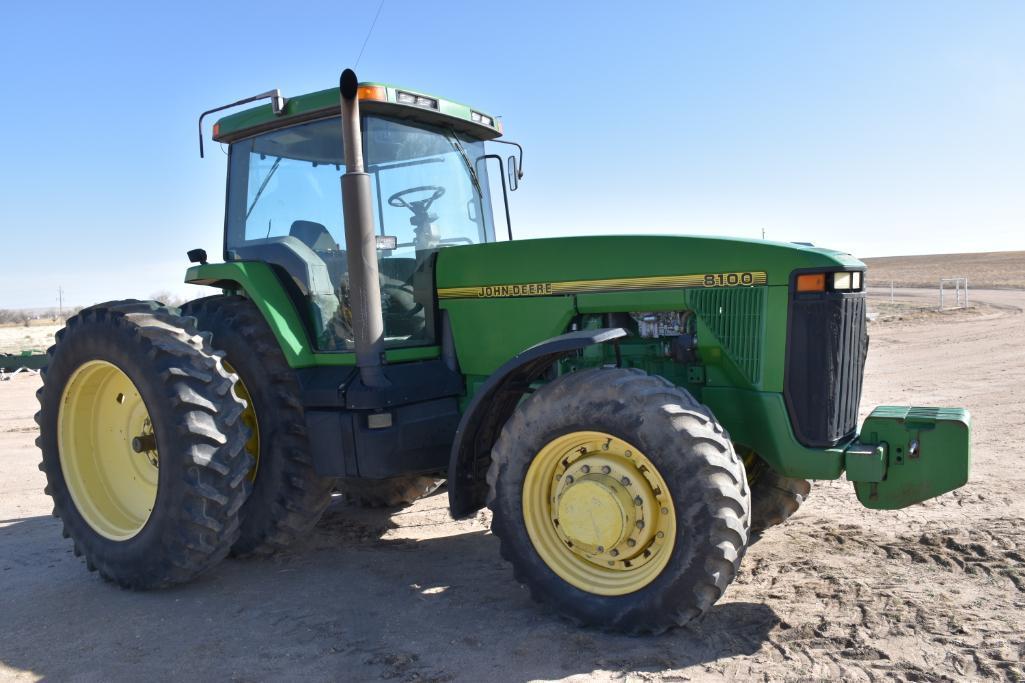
(316,237)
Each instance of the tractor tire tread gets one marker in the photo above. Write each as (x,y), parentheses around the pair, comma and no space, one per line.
(289,505)
(396,492)
(775,499)
(214,484)
(712,465)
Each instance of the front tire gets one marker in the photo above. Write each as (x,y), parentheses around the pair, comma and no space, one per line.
(619,500)
(142,444)
(288,495)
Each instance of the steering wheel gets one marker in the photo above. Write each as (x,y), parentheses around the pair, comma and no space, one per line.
(419,205)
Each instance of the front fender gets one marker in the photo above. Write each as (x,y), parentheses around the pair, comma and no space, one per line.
(494,403)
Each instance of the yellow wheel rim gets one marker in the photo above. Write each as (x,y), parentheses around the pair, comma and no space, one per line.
(108,451)
(599,513)
(249,420)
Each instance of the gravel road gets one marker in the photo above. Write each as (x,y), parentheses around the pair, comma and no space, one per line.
(936,591)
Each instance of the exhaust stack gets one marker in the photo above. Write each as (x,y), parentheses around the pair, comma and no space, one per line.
(360,242)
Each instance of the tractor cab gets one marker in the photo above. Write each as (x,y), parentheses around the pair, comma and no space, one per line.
(429,186)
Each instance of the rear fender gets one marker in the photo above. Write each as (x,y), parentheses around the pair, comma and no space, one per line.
(494,403)
(262,285)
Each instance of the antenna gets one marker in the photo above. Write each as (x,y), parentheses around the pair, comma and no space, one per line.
(367,39)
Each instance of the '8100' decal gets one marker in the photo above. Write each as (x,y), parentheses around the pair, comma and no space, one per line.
(734,279)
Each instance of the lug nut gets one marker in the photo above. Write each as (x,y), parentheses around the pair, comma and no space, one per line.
(601,548)
(569,478)
(606,469)
(638,501)
(661,534)
(665,511)
(614,553)
(630,542)
(585,469)
(640,523)
(625,481)
(628,454)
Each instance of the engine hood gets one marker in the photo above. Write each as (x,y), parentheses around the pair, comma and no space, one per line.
(635,258)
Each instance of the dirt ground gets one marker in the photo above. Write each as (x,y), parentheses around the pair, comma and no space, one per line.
(934,592)
(997,269)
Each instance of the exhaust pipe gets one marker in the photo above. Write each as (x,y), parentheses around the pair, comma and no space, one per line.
(360,243)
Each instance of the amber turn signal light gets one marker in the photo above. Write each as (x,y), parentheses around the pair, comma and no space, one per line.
(811,282)
(372,92)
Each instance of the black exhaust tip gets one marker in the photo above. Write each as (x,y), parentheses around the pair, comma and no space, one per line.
(348,84)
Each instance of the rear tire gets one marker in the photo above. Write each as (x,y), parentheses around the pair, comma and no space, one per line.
(657,434)
(143,516)
(288,495)
(388,493)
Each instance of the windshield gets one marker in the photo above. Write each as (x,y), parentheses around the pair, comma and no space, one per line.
(429,187)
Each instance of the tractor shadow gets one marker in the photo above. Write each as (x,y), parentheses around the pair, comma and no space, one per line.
(368,595)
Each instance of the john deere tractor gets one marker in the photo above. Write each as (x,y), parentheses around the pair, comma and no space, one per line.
(630,408)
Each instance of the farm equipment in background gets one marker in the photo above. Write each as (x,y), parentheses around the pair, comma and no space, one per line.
(631,408)
(26,361)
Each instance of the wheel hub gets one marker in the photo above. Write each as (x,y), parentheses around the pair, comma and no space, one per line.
(591,516)
(606,522)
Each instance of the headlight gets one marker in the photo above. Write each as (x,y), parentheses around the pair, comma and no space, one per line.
(842,281)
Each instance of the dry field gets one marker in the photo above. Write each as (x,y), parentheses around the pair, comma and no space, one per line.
(18,338)
(934,592)
(989,270)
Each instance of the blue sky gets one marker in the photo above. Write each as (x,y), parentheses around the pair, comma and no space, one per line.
(875,127)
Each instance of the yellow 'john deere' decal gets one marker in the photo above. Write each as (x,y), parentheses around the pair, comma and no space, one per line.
(741,279)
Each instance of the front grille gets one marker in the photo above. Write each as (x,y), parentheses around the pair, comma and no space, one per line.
(827,341)
(735,315)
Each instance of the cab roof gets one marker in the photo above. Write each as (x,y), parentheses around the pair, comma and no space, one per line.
(373,97)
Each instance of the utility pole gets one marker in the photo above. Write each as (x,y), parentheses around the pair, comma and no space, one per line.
(763,233)
(60,302)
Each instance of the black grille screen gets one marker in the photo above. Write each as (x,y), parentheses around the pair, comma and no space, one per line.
(827,343)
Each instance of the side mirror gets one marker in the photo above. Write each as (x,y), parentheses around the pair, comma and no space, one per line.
(514,174)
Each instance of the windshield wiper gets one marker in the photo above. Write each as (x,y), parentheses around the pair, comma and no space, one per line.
(263,185)
(458,146)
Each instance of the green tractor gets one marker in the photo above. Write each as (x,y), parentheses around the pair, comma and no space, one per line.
(631,408)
